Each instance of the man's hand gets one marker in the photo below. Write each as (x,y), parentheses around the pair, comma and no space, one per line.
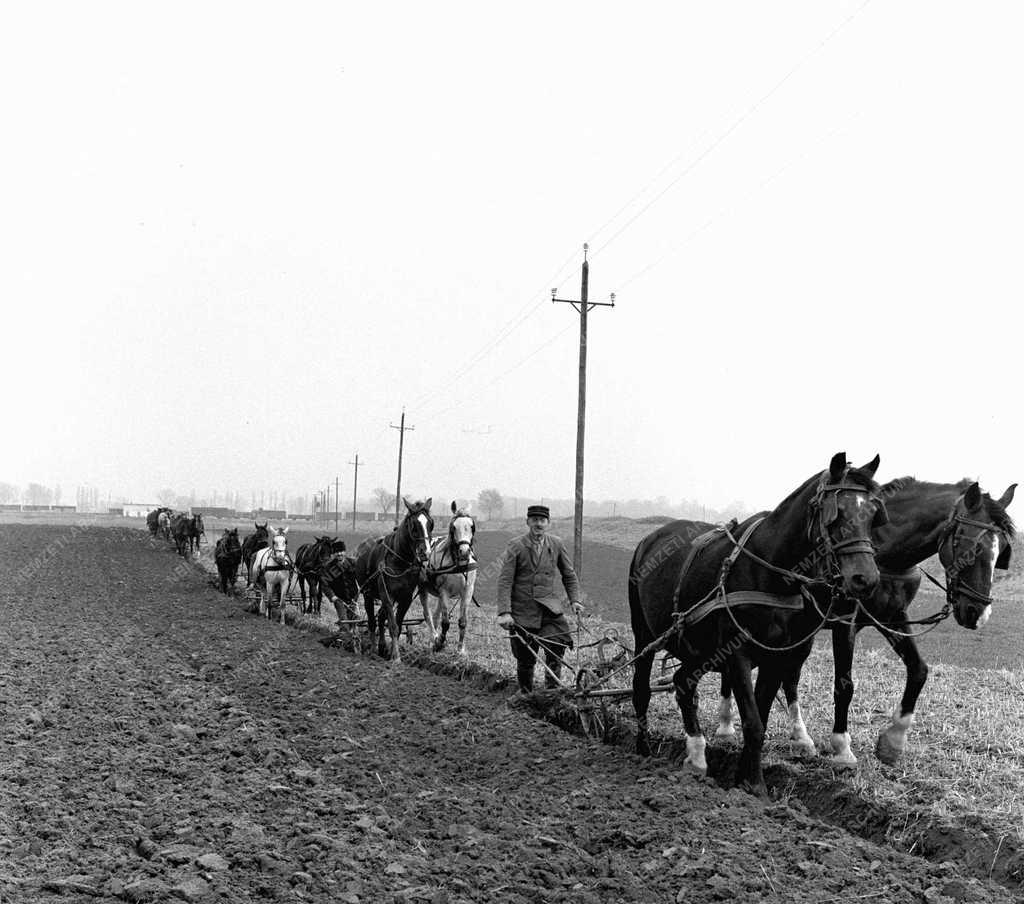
(577,608)
(505,621)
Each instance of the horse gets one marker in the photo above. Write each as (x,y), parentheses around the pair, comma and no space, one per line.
(272,568)
(451,574)
(195,532)
(251,545)
(388,570)
(716,602)
(309,560)
(153,521)
(926,518)
(164,523)
(181,531)
(228,556)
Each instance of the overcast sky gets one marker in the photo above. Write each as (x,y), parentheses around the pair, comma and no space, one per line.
(239,237)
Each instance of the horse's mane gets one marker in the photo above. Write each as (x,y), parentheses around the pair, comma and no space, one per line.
(996,513)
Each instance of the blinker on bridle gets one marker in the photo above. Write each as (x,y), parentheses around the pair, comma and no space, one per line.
(951,534)
(825,505)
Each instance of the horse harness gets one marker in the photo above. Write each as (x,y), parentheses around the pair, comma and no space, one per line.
(824,509)
(952,534)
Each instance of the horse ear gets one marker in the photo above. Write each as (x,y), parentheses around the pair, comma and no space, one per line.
(871,466)
(455,508)
(837,466)
(972,498)
(406,501)
(1007,497)
(426,504)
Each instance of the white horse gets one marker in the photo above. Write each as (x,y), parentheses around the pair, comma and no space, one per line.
(450,574)
(164,525)
(272,568)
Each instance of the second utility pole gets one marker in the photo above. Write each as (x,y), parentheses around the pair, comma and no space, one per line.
(581,411)
(355,490)
(401,441)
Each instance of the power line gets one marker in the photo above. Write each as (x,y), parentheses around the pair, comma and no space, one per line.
(725,211)
(461,403)
(510,327)
(735,125)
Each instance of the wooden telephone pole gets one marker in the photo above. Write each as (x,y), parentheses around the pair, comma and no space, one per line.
(337,504)
(355,490)
(583,306)
(401,442)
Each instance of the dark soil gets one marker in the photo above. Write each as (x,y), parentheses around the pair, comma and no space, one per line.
(159,743)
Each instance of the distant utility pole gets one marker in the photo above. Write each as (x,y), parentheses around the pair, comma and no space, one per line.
(355,490)
(401,441)
(336,504)
(583,306)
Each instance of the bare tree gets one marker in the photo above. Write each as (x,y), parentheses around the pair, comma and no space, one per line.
(490,501)
(37,494)
(166,496)
(385,499)
(8,493)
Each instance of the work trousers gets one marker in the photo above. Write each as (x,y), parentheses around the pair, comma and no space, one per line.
(553,636)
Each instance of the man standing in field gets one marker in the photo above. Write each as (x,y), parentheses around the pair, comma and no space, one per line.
(529,607)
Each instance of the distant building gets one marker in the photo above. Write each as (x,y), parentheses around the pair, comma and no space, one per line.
(368,516)
(213,511)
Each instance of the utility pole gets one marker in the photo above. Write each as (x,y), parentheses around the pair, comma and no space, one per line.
(355,490)
(401,441)
(336,505)
(583,306)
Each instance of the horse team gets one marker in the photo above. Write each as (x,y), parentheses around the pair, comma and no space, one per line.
(839,553)
(185,530)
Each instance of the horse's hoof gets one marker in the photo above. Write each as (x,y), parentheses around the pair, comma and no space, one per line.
(726,733)
(886,751)
(804,748)
(693,769)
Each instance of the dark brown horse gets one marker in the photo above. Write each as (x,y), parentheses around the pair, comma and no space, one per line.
(733,599)
(228,556)
(310,559)
(388,570)
(972,533)
(251,545)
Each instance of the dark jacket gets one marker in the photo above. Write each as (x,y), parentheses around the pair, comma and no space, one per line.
(526,585)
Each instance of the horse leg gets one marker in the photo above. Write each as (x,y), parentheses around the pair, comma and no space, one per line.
(748,773)
(642,695)
(725,727)
(282,592)
(467,595)
(443,603)
(302,592)
(316,595)
(891,743)
(798,733)
(843,642)
(686,679)
(428,615)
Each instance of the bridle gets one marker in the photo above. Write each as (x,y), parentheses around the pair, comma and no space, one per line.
(824,508)
(456,547)
(951,533)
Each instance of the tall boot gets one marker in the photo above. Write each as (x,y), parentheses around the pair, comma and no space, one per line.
(524,674)
(553,658)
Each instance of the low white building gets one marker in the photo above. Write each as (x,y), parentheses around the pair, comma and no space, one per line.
(138,509)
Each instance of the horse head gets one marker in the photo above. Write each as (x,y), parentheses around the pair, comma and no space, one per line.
(461,531)
(417,525)
(975,541)
(846,506)
(279,545)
